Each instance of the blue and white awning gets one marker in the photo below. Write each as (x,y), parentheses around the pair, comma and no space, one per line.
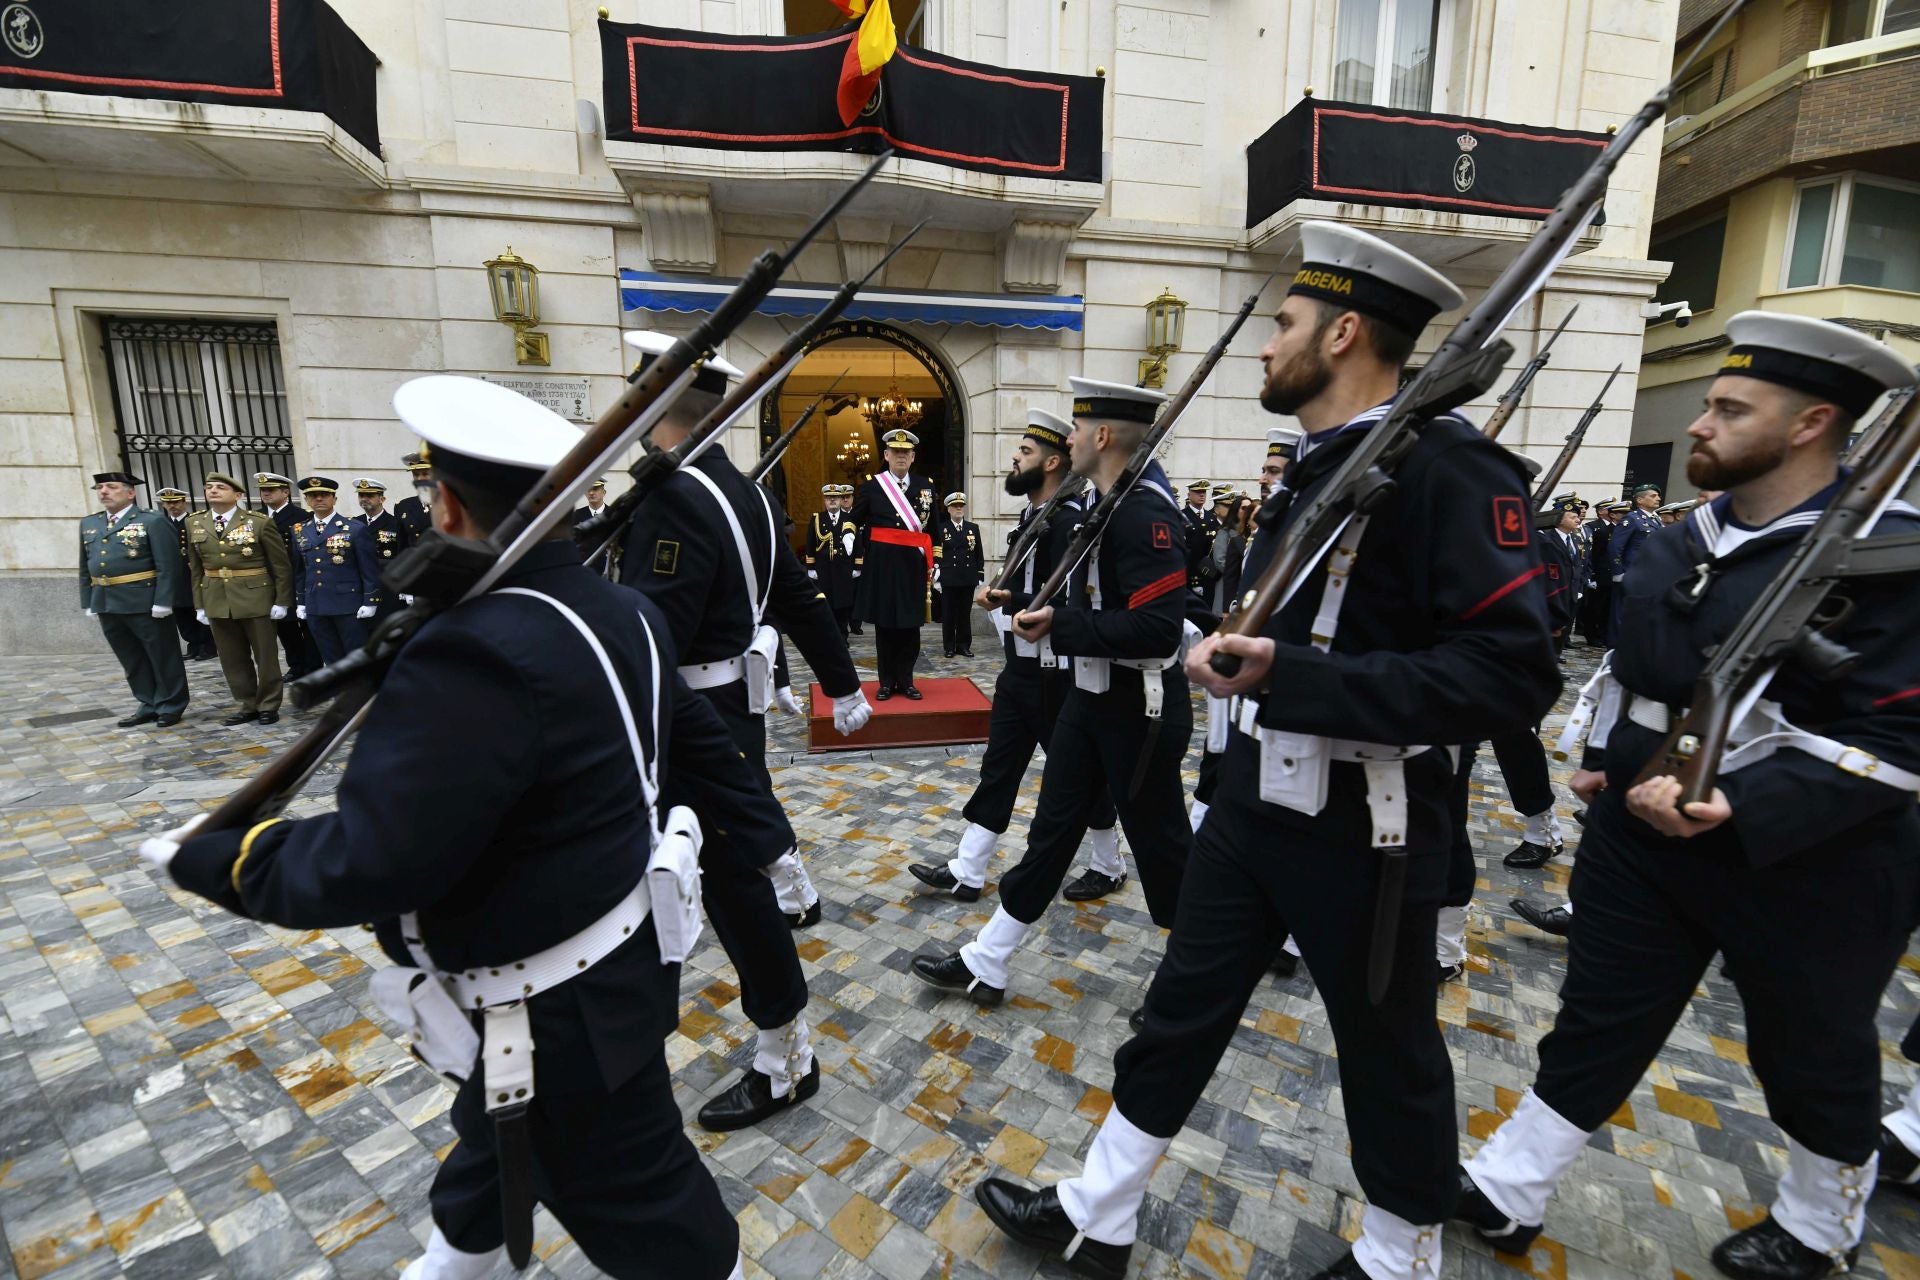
(650,291)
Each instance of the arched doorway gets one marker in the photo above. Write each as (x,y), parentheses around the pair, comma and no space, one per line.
(872,360)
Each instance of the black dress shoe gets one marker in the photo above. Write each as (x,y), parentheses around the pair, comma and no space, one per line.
(167,722)
(138,717)
(1765,1251)
(1899,1167)
(914,694)
(1346,1268)
(1285,963)
(1557,921)
(1137,1020)
(1448,972)
(966,653)
(241,717)
(935,876)
(1092,884)
(884,692)
(269,717)
(811,916)
(1472,1207)
(1532,854)
(1036,1220)
(950,973)
(751,1100)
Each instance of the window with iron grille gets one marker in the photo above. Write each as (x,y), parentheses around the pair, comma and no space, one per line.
(193,396)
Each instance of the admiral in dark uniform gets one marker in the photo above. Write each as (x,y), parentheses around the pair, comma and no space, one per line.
(596,503)
(1030,689)
(378,538)
(198,637)
(296,641)
(1628,541)
(527,818)
(1123,729)
(415,511)
(131,568)
(832,541)
(959,562)
(1804,874)
(1200,528)
(1434,643)
(333,591)
(895,513)
(709,548)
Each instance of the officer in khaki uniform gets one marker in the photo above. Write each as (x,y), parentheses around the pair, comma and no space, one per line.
(242,585)
(129,562)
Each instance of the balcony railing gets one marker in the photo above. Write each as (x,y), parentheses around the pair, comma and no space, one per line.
(1808,66)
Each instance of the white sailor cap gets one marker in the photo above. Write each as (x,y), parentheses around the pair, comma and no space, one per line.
(1047,428)
(714,373)
(1281,441)
(955,499)
(1350,268)
(1818,357)
(1115,400)
(830,490)
(481,429)
(271,480)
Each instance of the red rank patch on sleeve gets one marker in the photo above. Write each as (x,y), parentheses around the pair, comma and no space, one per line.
(1162,534)
(1509,522)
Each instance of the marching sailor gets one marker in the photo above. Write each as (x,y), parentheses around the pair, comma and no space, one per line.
(1029,691)
(894,510)
(708,546)
(1123,726)
(1788,844)
(531,880)
(1321,775)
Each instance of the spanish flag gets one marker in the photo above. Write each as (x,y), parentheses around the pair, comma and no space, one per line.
(872,45)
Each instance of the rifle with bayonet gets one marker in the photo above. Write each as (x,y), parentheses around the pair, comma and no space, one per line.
(1551,476)
(1468,362)
(1511,400)
(604,530)
(1789,620)
(439,571)
(778,449)
(1096,521)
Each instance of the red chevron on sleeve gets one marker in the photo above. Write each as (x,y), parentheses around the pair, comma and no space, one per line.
(1154,590)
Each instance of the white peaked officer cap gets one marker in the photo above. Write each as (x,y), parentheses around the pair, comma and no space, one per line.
(714,373)
(1353,269)
(1818,357)
(482,429)
(1047,428)
(1114,400)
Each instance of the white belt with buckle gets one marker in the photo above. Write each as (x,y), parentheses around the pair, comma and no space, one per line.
(711,675)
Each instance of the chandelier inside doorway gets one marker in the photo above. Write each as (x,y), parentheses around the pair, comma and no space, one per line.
(892,411)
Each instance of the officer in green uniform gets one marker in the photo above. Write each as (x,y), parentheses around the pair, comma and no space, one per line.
(242,585)
(129,562)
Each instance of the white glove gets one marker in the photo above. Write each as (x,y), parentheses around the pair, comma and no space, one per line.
(163,611)
(300,612)
(278,612)
(201,616)
(814,574)
(157,851)
(856,573)
(784,699)
(364,612)
(90,613)
(936,577)
(406,599)
(846,540)
(851,712)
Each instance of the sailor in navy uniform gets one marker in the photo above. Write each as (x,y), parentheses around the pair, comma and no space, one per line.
(1280,443)
(709,548)
(529,843)
(1628,541)
(415,511)
(832,538)
(296,641)
(378,538)
(1435,637)
(958,563)
(1804,874)
(897,522)
(1029,691)
(332,590)
(1123,728)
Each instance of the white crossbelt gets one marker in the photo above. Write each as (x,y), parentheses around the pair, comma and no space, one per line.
(755,666)
(1095,675)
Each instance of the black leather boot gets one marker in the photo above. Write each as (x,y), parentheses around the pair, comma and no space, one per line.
(1346,1267)
(1766,1251)
(935,876)
(950,973)
(1472,1207)
(751,1100)
(1531,854)
(1557,921)
(1035,1219)
(1899,1167)
(1092,884)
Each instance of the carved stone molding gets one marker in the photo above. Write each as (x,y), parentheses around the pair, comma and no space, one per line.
(678,231)
(1033,256)
(863,242)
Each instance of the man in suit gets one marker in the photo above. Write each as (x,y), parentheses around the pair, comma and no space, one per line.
(242,585)
(129,566)
(276,499)
(895,513)
(332,593)
(959,561)
(197,638)
(378,536)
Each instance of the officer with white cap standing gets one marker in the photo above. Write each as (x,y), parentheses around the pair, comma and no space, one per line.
(709,547)
(1123,729)
(1433,642)
(894,510)
(958,562)
(1789,846)
(529,869)
(378,536)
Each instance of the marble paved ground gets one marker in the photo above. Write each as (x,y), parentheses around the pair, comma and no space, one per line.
(186,1094)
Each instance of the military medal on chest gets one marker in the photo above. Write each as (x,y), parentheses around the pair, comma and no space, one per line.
(337,547)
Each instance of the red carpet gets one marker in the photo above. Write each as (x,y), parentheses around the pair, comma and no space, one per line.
(953,710)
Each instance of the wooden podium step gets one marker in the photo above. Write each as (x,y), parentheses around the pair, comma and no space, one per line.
(953,710)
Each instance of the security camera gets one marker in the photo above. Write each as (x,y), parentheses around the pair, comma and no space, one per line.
(1679,312)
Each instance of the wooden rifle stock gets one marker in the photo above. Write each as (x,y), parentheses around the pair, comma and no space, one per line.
(778,449)
(1784,622)
(1550,478)
(1070,488)
(1511,400)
